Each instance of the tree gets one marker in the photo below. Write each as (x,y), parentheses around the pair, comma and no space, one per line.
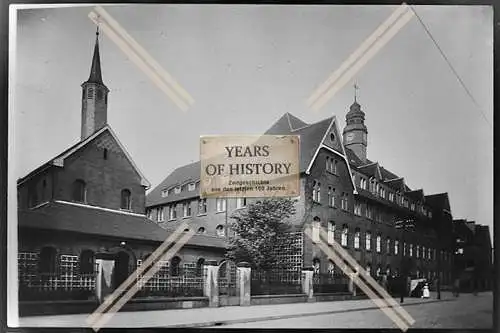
(263,234)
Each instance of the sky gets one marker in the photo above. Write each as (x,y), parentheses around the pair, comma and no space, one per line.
(246,65)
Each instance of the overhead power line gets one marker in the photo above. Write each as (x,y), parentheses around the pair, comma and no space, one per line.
(462,83)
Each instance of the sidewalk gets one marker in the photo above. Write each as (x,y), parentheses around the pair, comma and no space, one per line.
(219,316)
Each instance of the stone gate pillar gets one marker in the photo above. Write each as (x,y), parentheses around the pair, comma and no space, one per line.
(307,282)
(210,285)
(104,278)
(243,279)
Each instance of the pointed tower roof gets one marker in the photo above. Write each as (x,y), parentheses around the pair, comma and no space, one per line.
(95,69)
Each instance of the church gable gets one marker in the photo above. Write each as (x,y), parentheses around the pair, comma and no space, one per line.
(333,139)
(104,142)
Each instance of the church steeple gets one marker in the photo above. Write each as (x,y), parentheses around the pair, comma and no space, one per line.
(95,69)
(355,133)
(94,97)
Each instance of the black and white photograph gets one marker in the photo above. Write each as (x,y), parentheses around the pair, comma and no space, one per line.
(386,112)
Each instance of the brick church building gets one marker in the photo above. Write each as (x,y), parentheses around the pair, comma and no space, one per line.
(89,200)
(357,200)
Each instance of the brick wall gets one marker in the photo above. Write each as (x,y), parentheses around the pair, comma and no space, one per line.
(105,178)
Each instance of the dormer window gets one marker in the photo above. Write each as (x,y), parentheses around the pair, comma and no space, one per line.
(164,193)
(125,199)
(191,187)
(177,190)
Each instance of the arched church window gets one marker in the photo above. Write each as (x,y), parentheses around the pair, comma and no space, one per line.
(175,266)
(125,199)
(79,191)
(199,266)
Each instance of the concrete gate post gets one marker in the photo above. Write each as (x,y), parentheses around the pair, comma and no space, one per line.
(243,287)
(105,263)
(307,282)
(211,287)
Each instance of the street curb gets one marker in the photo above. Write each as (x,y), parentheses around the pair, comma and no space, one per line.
(257,319)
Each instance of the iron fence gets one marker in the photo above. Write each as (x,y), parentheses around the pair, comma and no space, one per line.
(328,283)
(52,287)
(276,282)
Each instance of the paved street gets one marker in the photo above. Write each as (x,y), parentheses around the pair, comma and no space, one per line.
(467,311)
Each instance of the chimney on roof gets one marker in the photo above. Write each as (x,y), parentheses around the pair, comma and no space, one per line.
(94,97)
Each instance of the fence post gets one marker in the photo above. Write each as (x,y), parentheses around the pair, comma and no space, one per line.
(307,282)
(243,282)
(210,283)
(104,277)
(352,286)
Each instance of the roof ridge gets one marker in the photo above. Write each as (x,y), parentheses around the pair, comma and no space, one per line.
(315,123)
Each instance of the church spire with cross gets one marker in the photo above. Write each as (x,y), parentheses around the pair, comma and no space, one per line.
(94,96)
(355,132)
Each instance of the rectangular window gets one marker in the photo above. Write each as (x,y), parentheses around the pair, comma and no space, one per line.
(357,208)
(388,249)
(241,202)
(335,166)
(160,214)
(356,239)
(172,214)
(411,250)
(343,240)
(368,241)
(186,209)
(396,247)
(315,232)
(418,251)
(331,232)
(328,164)
(332,198)
(202,206)
(316,191)
(369,212)
(378,244)
(344,201)
(221,205)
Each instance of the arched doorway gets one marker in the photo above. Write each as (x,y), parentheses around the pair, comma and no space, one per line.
(227,279)
(121,270)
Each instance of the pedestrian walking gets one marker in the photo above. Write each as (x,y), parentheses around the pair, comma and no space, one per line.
(425,292)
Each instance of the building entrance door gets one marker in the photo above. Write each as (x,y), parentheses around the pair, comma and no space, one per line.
(226,278)
(121,271)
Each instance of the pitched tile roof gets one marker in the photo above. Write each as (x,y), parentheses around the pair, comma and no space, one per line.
(310,138)
(69,217)
(417,195)
(438,200)
(369,169)
(353,158)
